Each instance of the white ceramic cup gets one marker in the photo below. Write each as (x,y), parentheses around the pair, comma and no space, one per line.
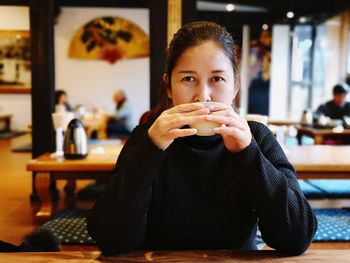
(206,128)
(61,119)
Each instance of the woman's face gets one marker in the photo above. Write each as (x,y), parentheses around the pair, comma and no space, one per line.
(62,99)
(202,73)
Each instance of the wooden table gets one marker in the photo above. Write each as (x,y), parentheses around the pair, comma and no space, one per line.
(47,168)
(320,161)
(312,161)
(319,134)
(280,122)
(7,119)
(267,256)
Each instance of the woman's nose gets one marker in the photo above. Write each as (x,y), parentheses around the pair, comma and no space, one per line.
(202,93)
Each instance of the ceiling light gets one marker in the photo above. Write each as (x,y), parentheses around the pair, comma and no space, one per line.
(206,5)
(265,26)
(230,7)
(302,19)
(290,14)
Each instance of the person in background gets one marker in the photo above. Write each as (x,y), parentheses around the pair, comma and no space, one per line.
(62,101)
(336,108)
(172,189)
(259,74)
(121,123)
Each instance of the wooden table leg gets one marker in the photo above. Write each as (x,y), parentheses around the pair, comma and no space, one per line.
(299,138)
(34,196)
(102,131)
(318,139)
(46,204)
(69,189)
(70,186)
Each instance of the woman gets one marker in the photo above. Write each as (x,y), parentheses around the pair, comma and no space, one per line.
(175,190)
(61,101)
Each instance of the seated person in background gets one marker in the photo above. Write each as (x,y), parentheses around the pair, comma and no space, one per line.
(61,101)
(120,124)
(336,108)
(172,189)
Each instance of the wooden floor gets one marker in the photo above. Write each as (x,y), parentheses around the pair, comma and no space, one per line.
(16,210)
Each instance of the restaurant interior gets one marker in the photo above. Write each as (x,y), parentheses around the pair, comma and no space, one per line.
(292,54)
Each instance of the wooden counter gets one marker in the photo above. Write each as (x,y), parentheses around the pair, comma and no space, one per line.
(268,256)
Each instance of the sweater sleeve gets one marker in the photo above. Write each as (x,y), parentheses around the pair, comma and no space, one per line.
(118,219)
(286,220)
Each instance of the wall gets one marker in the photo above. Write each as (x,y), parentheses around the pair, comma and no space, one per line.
(279,73)
(92,82)
(331,43)
(19,105)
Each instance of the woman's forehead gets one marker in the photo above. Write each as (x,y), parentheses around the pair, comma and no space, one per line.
(204,56)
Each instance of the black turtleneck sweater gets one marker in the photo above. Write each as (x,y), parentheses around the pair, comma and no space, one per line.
(197,195)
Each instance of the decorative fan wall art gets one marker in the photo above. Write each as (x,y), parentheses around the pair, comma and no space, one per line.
(111,39)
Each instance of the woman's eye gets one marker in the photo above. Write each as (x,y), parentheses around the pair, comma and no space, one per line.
(188,78)
(217,79)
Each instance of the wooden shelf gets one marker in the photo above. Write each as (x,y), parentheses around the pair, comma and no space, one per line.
(15,89)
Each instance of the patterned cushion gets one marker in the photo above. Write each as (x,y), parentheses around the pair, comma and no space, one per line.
(333,224)
(69,226)
(309,190)
(332,188)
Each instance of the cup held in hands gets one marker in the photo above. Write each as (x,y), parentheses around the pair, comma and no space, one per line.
(206,128)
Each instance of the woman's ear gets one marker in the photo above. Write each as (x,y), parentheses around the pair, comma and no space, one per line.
(167,85)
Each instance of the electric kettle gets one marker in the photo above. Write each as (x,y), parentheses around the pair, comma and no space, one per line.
(75,141)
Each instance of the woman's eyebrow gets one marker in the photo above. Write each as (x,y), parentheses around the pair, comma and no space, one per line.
(187,71)
(195,72)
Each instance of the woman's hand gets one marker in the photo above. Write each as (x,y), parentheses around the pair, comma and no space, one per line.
(234,129)
(168,126)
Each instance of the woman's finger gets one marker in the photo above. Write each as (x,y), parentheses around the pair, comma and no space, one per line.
(217,106)
(176,133)
(187,107)
(232,114)
(203,111)
(228,121)
(231,131)
(181,121)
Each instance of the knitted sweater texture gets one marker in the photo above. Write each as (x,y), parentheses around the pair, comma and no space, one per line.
(198,195)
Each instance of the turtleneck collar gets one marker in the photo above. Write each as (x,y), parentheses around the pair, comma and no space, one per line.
(207,147)
(202,142)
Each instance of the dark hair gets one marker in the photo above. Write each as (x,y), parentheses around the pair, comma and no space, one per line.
(190,35)
(58,94)
(339,89)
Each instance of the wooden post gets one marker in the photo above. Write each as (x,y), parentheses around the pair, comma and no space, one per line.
(174,17)
(43,70)
(158,36)
(166,17)
(43,80)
